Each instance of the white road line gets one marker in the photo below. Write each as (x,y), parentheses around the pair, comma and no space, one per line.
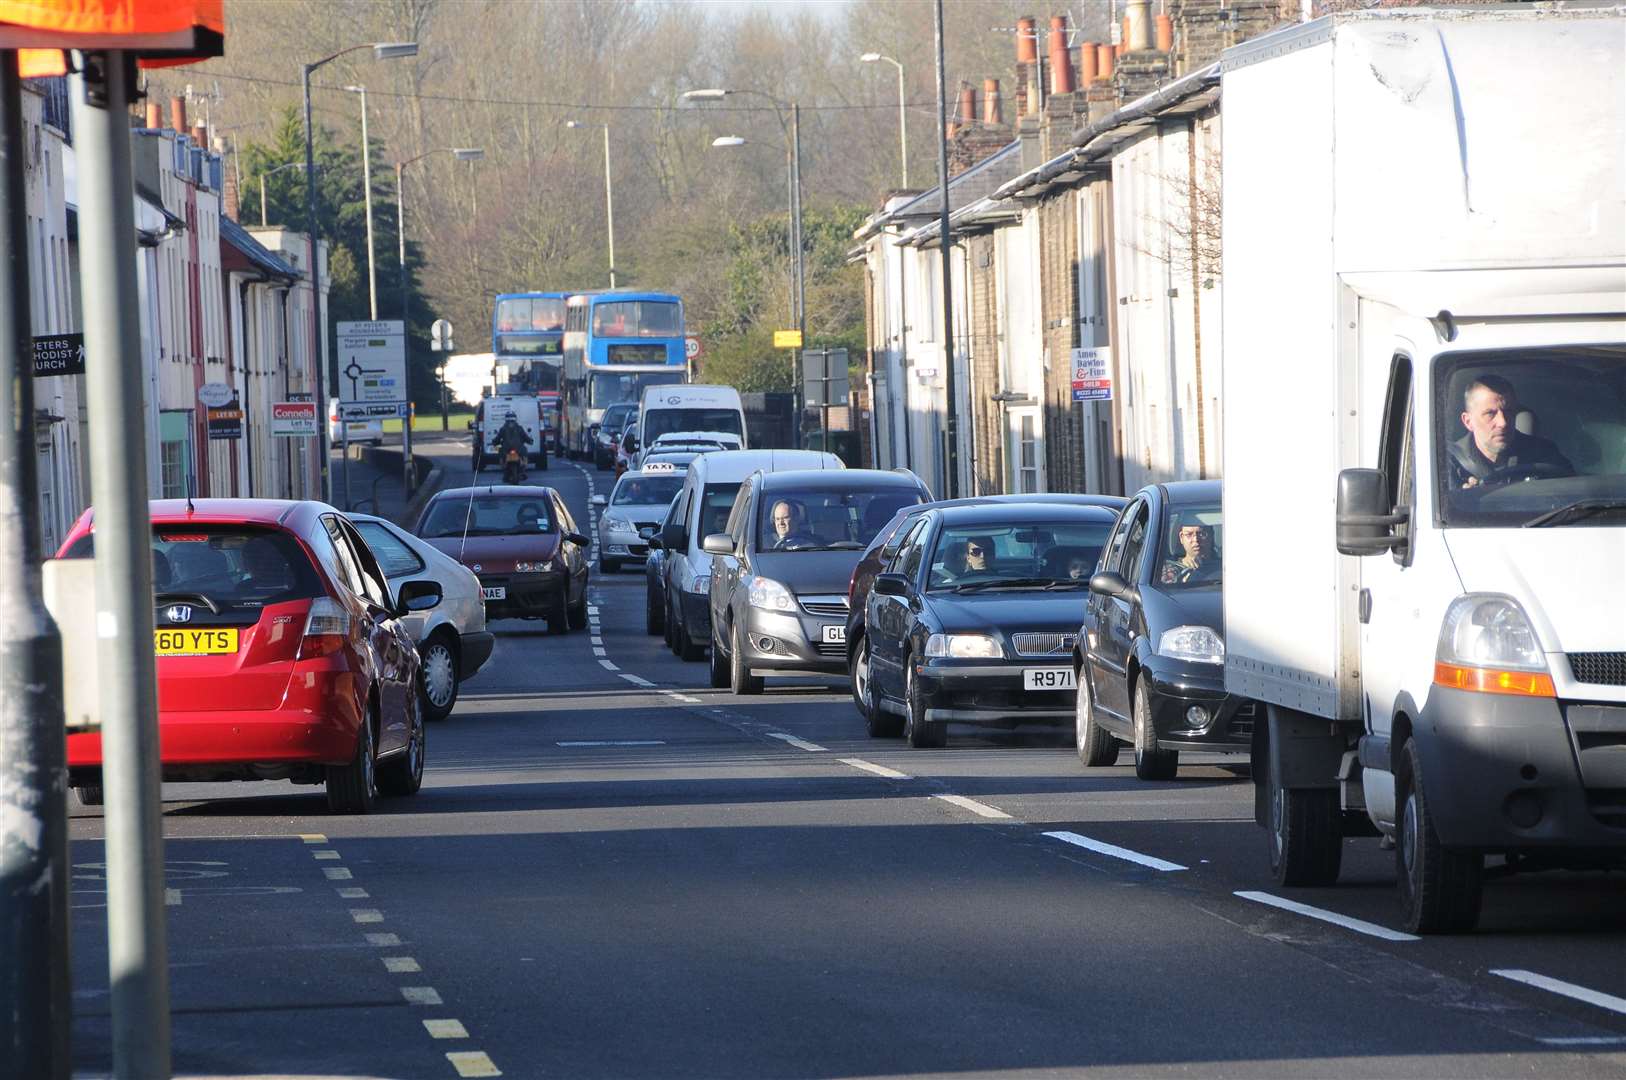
(400,965)
(871,767)
(685,698)
(352,894)
(1586,1040)
(596,640)
(421,995)
(328,855)
(336,873)
(1360,926)
(172,898)
(592,610)
(446,1029)
(636,680)
(313,838)
(607,666)
(613,742)
(800,744)
(598,650)
(383,941)
(982,809)
(366,915)
(472,1063)
(1114,851)
(1570,990)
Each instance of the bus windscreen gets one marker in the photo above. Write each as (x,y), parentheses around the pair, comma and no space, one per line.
(530,314)
(608,388)
(637,318)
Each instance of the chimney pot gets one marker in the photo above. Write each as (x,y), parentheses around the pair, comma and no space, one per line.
(1027,40)
(1061,58)
(1165,34)
(1086,63)
(200,137)
(1105,55)
(155,115)
(993,109)
(1138,25)
(177,114)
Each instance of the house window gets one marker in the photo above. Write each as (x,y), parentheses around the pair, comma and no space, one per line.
(1027,455)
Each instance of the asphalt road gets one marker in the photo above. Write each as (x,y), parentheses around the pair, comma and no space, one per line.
(613,871)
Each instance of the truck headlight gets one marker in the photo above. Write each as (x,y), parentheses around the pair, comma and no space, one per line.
(1196,643)
(766,593)
(1488,645)
(963,647)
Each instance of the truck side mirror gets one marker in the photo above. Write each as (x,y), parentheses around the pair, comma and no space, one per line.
(1366,521)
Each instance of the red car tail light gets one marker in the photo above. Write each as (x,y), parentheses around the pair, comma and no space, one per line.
(327,629)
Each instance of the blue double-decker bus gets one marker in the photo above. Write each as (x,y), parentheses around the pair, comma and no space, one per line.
(615,344)
(527,339)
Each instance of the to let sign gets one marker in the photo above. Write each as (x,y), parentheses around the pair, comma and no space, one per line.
(293,419)
(1092,374)
(226,422)
(59,354)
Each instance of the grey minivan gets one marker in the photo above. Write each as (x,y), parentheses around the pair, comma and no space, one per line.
(780,571)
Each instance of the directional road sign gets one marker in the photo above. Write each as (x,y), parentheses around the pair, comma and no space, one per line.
(372,363)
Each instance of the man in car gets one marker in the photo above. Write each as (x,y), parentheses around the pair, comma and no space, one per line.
(1200,561)
(790,525)
(1494,450)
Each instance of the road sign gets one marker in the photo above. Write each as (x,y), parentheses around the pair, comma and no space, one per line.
(372,363)
(787,339)
(440,336)
(823,368)
(691,348)
(59,354)
(372,410)
(293,419)
(1092,374)
(215,395)
(226,421)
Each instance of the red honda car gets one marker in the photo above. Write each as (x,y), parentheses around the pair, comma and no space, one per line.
(281,654)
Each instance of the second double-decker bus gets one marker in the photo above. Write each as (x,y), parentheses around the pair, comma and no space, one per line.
(616,343)
(527,339)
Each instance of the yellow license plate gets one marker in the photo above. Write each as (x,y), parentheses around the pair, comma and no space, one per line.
(214,642)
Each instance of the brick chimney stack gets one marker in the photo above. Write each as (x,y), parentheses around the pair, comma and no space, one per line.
(229,194)
(177,114)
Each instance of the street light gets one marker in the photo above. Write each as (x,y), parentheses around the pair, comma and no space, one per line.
(609,196)
(461,154)
(384,50)
(903,122)
(367,192)
(273,172)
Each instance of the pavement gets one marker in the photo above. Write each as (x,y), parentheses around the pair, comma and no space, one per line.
(614,870)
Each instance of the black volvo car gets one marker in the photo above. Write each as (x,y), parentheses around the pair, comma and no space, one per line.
(1150,656)
(974,619)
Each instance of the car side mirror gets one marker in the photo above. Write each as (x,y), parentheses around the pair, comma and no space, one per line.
(674,538)
(599,501)
(420,595)
(1108,583)
(891,585)
(578,539)
(718,544)
(1366,522)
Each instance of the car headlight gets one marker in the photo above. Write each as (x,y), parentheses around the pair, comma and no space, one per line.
(532,567)
(1196,643)
(963,647)
(1487,644)
(766,593)
(700,583)
(615,524)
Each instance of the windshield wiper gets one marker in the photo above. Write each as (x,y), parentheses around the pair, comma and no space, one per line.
(839,545)
(1058,586)
(1004,583)
(1576,511)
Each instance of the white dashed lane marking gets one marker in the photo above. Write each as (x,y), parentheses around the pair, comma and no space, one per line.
(421,995)
(383,941)
(1360,926)
(1114,851)
(446,1029)
(636,680)
(1570,990)
(871,767)
(800,744)
(327,855)
(400,965)
(366,915)
(980,809)
(613,742)
(336,873)
(352,894)
(313,838)
(605,664)
(472,1063)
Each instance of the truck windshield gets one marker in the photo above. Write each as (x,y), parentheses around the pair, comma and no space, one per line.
(1531,437)
(665,421)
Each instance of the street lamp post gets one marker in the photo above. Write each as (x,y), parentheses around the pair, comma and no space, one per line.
(470,154)
(273,172)
(609,193)
(793,139)
(367,195)
(903,115)
(381,51)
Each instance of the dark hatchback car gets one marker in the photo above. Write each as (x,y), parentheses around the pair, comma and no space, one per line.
(780,570)
(523,545)
(1150,656)
(975,617)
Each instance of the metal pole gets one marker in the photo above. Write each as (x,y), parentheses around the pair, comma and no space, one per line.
(948,273)
(824,406)
(367,194)
(400,238)
(903,127)
(324,471)
(136,945)
(609,203)
(34,986)
(796,222)
(262,200)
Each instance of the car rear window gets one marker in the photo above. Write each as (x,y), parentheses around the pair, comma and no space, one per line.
(488,515)
(233,566)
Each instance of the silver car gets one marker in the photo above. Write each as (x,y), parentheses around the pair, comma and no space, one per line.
(632,514)
(452,638)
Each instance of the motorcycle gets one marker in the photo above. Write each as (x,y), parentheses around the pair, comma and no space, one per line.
(513,467)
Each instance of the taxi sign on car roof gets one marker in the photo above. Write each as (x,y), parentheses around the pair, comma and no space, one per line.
(659,467)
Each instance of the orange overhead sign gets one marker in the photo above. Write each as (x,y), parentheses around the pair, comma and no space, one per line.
(160,32)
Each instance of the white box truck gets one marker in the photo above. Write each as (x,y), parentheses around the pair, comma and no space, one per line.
(1424,433)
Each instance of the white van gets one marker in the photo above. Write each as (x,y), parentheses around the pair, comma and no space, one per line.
(702,508)
(667,409)
(488,420)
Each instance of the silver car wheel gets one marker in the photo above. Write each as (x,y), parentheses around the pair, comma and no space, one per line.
(439,675)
